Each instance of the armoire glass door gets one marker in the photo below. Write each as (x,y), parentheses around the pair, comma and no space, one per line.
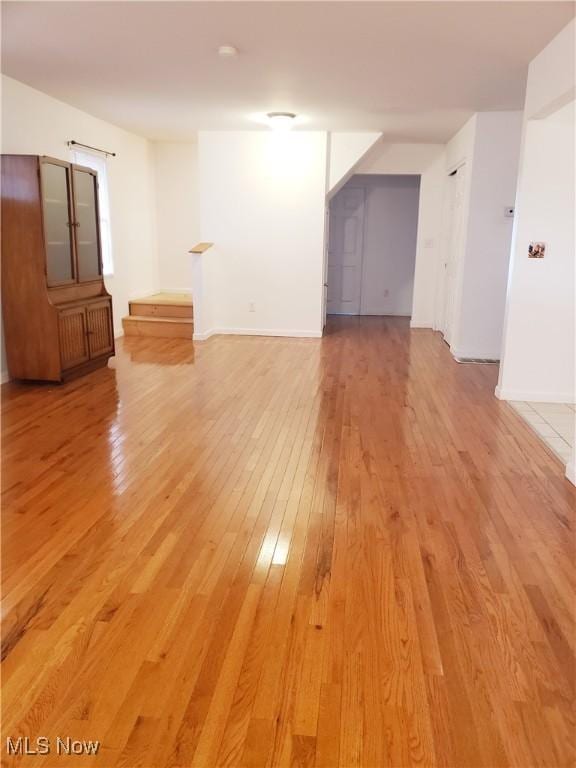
(58,223)
(87,235)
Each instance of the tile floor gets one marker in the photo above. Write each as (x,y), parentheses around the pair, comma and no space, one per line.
(554,422)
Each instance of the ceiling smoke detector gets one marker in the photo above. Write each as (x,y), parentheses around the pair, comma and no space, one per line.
(227,51)
(281,121)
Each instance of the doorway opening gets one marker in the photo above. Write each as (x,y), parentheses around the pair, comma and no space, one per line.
(372,230)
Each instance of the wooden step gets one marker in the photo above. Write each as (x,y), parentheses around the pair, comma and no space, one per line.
(138,307)
(163,305)
(166,327)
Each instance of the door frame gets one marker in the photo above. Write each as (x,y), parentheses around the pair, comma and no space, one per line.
(324,309)
(362,260)
(448,290)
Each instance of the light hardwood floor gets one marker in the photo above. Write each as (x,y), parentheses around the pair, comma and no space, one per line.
(282,552)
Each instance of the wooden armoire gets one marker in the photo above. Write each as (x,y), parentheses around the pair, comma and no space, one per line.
(57,314)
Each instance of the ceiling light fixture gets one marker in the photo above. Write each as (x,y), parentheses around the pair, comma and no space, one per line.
(281,121)
(227,51)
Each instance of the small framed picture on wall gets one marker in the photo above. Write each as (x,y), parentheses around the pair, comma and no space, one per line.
(536,250)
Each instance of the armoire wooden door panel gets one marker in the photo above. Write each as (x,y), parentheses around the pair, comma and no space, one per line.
(99,327)
(73,338)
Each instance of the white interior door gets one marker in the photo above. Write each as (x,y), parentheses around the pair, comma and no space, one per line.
(345,252)
(453,248)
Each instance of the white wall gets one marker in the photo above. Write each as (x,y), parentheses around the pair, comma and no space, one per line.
(488,145)
(551,76)
(262,202)
(460,148)
(539,338)
(390,232)
(492,177)
(486,150)
(538,364)
(34,123)
(345,151)
(177,212)
(426,160)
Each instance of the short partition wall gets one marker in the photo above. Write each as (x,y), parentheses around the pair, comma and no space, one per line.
(262,203)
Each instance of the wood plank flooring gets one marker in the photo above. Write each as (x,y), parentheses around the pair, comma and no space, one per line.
(281,552)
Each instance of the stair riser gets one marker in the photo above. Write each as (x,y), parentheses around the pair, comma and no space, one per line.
(160,310)
(162,330)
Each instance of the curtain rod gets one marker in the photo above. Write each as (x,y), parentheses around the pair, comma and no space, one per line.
(87,146)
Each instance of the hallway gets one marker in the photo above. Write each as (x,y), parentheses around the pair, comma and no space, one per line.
(260,551)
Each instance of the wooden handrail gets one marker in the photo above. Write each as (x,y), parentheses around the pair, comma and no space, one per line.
(200,247)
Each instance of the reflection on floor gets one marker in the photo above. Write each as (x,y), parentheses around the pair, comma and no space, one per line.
(249,552)
(553,422)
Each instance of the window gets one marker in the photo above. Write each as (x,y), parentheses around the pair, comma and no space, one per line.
(98,164)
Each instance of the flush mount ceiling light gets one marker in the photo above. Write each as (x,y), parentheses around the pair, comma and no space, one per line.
(227,51)
(281,121)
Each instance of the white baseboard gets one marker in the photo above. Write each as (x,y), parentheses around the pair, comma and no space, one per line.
(532,396)
(368,314)
(4,377)
(257,332)
(119,335)
(270,332)
(420,324)
(202,336)
(384,314)
(472,356)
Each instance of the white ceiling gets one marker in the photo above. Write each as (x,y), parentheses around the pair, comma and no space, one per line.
(415,70)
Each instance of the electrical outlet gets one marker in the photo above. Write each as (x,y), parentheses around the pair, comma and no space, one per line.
(252,306)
